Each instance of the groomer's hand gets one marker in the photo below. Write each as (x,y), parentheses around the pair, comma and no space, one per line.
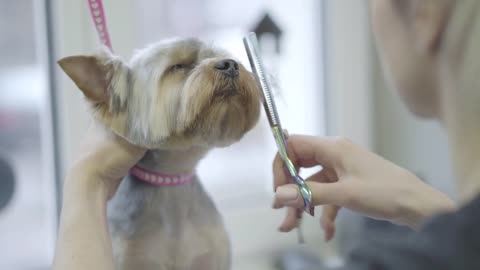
(83,238)
(354,178)
(104,159)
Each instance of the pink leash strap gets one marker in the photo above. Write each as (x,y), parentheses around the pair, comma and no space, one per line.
(100,22)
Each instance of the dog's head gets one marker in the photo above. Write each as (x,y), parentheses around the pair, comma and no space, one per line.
(177,93)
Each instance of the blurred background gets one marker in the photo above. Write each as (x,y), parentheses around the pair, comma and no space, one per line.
(321,56)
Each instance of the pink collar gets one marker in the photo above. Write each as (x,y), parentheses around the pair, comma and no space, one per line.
(160,179)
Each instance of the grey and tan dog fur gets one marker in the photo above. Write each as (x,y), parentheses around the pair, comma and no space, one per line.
(179,98)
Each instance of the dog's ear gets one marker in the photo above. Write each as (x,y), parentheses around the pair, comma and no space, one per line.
(100,77)
(89,74)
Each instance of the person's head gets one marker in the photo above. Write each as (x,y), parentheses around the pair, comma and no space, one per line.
(430,50)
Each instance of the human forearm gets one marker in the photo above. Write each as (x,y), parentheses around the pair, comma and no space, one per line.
(83,240)
(424,203)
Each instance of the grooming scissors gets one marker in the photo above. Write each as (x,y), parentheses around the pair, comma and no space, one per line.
(251,46)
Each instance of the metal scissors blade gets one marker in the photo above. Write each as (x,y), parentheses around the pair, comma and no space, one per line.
(251,46)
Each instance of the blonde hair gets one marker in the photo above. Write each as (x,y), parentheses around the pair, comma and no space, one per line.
(460,54)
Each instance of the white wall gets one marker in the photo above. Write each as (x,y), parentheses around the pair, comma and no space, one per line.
(348,90)
(348,70)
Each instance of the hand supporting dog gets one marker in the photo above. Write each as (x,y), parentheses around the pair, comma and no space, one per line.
(94,177)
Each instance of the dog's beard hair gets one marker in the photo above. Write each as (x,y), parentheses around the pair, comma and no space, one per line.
(199,87)
(149,108)
(213,112)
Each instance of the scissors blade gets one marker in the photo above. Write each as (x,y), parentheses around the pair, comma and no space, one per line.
(251,46)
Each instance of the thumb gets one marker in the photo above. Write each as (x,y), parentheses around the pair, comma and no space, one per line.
(322,193)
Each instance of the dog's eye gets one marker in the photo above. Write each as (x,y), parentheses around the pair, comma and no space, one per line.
(179,67)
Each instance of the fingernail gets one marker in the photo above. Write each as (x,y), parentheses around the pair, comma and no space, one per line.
(286,194)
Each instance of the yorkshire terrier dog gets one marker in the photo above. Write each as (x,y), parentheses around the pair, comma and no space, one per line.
(178,98)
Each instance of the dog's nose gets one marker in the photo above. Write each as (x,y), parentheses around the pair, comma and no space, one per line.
(228,67)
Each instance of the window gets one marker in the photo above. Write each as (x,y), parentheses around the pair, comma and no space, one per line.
(27,197)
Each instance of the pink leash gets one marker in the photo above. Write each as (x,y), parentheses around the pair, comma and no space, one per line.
(100,22)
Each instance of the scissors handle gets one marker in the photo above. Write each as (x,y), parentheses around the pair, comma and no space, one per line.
(305,191)
(282,149)
(306,194)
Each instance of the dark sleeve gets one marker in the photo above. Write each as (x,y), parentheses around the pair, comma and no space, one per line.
(447,242)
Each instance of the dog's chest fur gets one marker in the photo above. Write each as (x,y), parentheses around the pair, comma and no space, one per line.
(166,228)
